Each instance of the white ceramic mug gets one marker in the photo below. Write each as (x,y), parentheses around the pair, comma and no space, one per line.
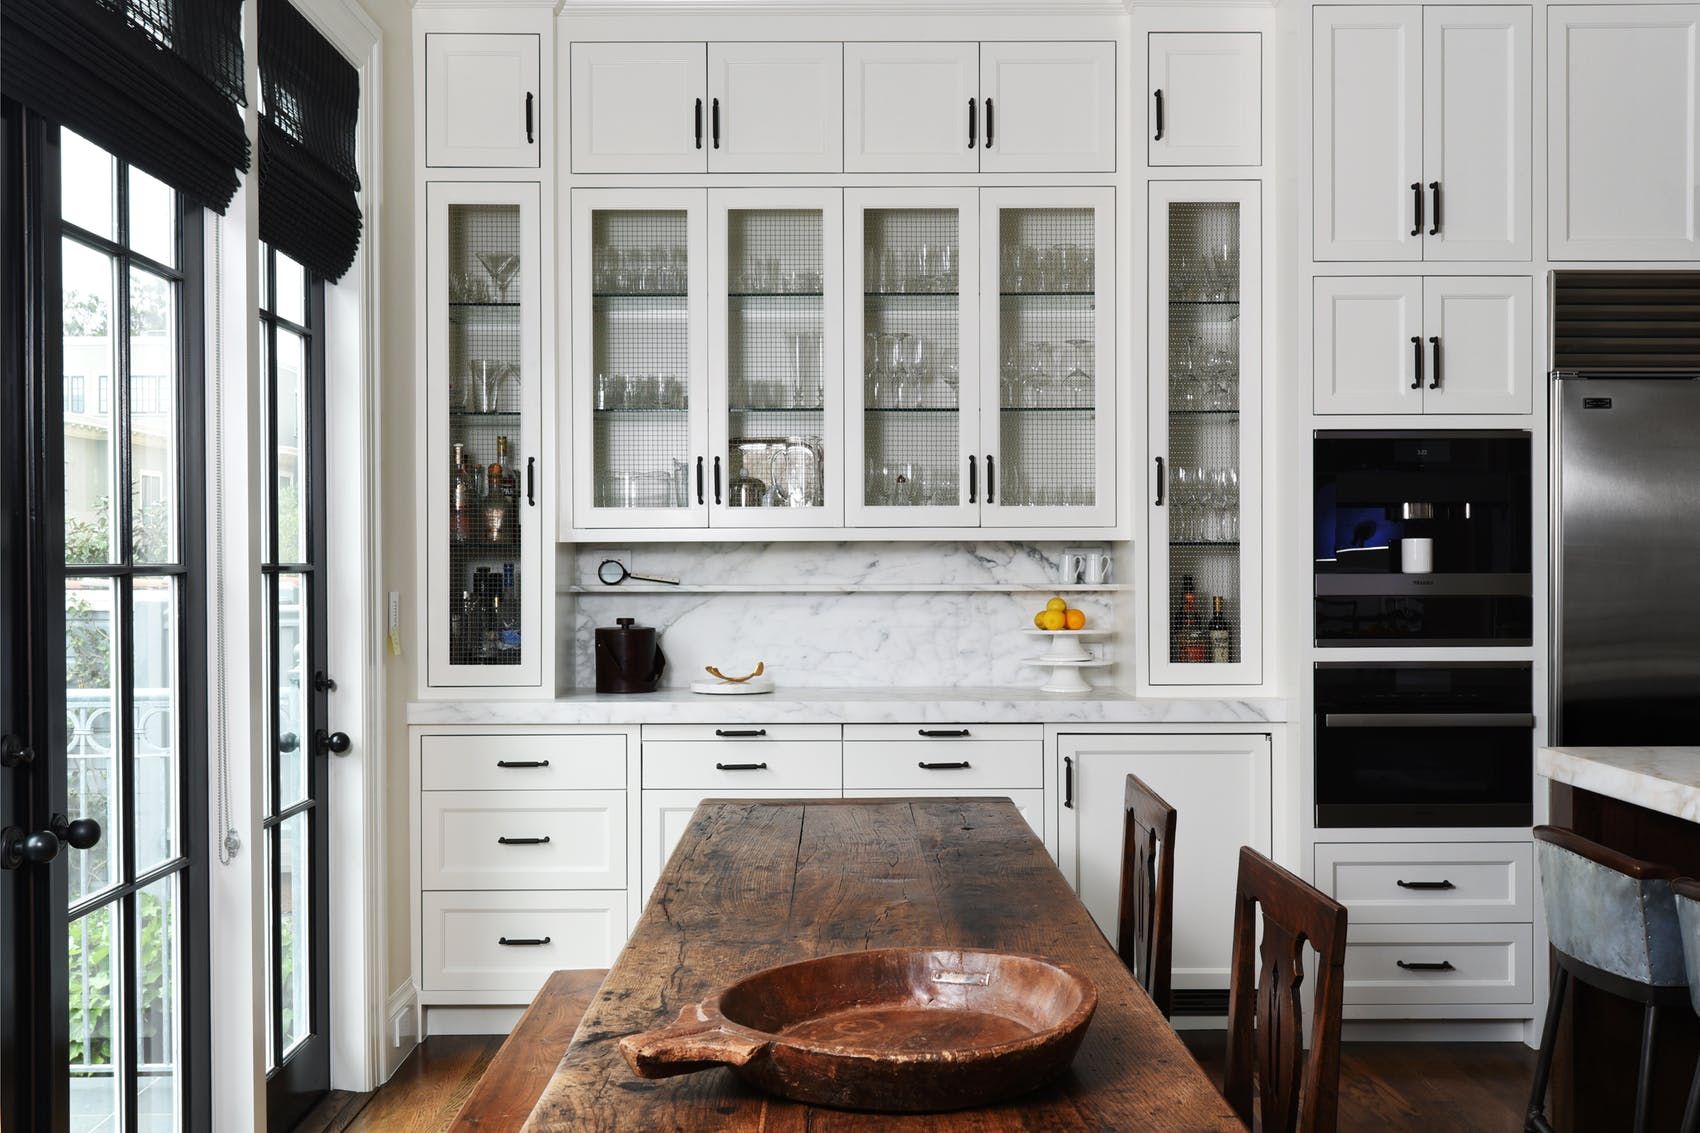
(1099,568)
(1071,567)
(1416,556)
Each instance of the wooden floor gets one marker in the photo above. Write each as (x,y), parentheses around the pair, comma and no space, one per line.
(1384,1087)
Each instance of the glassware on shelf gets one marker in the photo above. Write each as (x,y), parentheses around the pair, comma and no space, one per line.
(502,267)
(1077,383)
(803,347)
(468,287)
(1036,382)
(1223,270)
(610,391)
(486,380)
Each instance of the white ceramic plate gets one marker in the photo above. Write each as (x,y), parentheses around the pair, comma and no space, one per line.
(731,688)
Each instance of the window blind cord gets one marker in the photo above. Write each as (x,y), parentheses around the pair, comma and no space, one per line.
(232,841)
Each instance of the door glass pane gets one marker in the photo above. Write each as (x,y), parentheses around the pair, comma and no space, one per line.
(1047,375)
(153,417)
(158,1034)
(483,463)
(95,1003)
(291,452)
(91,404)
(291,290)
(155,660)
(87,186)
(295,944)
(911,359)
(1204,432)
(153,218)
(91,727)
(775,394)
(294,736)
(641,361)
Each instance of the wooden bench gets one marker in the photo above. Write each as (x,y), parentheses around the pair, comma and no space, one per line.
(515,1078)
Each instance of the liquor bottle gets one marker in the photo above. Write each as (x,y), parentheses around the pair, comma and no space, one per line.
(1221,636)
(1189,634)
(501,497)
(461,498)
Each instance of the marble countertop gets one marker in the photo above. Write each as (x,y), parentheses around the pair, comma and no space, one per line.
(1665,779)
(854,706)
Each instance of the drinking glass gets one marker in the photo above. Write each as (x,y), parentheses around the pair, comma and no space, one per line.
(1036,374)
(1077,383)
(943,266)
(876,484)
(679,267)
(1223,271)
(1180,500)
(502,266)
(903,484)
(891,272)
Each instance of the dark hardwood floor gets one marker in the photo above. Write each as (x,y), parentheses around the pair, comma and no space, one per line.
(1384,1087)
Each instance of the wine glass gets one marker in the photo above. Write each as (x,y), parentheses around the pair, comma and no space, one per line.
(501,266)
(1036,372)
(1077,383)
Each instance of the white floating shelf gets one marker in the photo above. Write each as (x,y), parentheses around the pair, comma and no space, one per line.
(850,588)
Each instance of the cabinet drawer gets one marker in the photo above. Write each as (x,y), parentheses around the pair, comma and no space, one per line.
(941,732)
(1445,882)
(462,947)
(944,764)
(733,766)
(461,839)
(505,762)
(1482,963)
(1031,803)
(720,733)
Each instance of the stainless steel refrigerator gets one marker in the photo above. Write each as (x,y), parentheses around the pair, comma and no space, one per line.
(1626,507)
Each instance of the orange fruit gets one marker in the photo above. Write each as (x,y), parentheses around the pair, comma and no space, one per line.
(1074,619)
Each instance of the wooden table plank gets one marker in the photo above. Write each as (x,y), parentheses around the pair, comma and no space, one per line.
(753,884)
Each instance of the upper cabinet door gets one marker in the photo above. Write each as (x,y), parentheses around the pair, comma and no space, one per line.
(1367,101)
(1048,107)
(775,107)
(1623,120)
(1477,330)
(1477,136)
(639,107)
(483,105)
(1206,98)
(1369,353)
(911,107)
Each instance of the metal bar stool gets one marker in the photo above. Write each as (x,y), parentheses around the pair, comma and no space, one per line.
(1687,893)
(1612,921)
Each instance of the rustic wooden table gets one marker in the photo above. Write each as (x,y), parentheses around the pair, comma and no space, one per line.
(754,884)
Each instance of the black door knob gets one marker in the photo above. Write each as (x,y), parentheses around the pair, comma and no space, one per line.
(334,742)
(18,848)
(14,752)
(77,833)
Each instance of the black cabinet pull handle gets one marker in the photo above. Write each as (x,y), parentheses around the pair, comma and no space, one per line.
(1443,884)
(925,766)
(506,841)
(529,139)
(1068,782)
(1419,966)
(699,480)
(715,113)
(739,733)
(1158,94)
(1434,346)
(740,767)
(522,763)
(988,123)
(699,123)
(1434,223)
(1417,356)
(991,479)
(531,481)
(971,124)
(1417,204)
(971,477)
(1162,480)
(522,941)
(944,733)
(717,480)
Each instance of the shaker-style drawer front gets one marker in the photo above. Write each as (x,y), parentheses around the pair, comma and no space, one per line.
(945,733)
(734,765)
(510,942)
(523,762)
(928,764)
(1444,882)
(1448,963)
(719,733)
(522,839)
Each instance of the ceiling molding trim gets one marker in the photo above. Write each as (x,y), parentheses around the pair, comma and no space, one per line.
(1040,8)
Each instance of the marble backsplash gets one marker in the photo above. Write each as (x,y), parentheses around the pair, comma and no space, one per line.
(870,634)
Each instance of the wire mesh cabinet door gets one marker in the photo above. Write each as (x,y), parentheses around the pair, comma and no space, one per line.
(1047,296)
(776,358)
(639,406)
(1204,527)
(486,473)
(912,402)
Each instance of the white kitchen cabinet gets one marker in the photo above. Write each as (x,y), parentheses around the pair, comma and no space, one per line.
(775,107)
(1219,784)
(485,534)
(506,943)
(911,107)
(1623,120)
(1425,882)
(1049,107)
(1206,98)
(483,100)
(1204,520)
(523,839)
(1422,139)
(1440,963)
(1441,344)
(639,107)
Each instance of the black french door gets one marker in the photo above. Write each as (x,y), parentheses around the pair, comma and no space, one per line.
(103,855)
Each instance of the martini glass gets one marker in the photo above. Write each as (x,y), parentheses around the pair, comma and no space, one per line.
(501,266)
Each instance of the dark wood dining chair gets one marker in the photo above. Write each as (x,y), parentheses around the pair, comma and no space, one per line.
(1265,1022)
(1145,922)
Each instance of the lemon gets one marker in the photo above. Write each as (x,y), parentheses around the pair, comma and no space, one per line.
(1053,619)
(1076,619)
(1039,619)
(1056,604)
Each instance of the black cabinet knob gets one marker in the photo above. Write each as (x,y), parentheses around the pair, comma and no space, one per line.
(19,849)
(14,752)
(335,743)
(77,833)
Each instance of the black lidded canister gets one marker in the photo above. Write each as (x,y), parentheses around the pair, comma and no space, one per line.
(628,657)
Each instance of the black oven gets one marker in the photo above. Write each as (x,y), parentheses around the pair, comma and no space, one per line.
(1416,743)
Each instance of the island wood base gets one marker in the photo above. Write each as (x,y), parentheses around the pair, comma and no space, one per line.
(1600,1033)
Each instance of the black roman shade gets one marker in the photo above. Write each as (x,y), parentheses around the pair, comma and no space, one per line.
(154,82)
(309,113)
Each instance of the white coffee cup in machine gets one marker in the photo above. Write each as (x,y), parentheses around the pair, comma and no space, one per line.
(1416,556)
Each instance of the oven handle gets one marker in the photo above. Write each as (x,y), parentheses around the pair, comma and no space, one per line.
(1428,720)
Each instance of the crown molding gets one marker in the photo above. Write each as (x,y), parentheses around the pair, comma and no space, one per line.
(833,7)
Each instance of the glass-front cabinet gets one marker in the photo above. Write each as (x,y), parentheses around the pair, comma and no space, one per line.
(1205,336)
(482,460)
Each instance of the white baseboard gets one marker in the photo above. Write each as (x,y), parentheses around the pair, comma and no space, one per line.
(1432,1031)
(401,1028)
(444,1020)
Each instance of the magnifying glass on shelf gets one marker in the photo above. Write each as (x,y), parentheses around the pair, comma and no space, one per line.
(612,572)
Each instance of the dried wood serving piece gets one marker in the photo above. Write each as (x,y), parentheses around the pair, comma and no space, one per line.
(761,667)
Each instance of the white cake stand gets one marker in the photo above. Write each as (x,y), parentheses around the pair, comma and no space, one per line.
(1065,675)
(1066,644)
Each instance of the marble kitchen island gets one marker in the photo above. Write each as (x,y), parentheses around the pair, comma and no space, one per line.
(1644,801)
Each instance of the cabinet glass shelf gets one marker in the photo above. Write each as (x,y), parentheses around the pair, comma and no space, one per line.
(638,410)
(911,294)
(464,303)
(775,295)
(1049,408)
(1203,543)
(639,295)
(1048,294)
(473,415)
(1204,302)
(1204,412)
